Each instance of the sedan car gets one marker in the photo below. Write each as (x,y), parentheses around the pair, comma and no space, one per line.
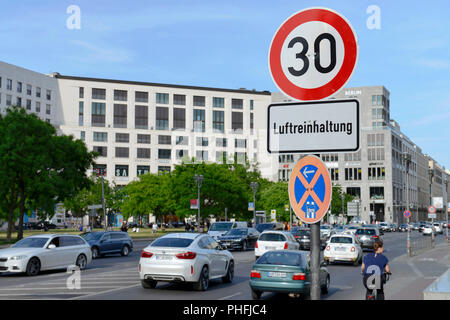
(45,252)
(326,230)
(261,227)
(403,228)
(185,257)
(343,248)
(275,240)
(428,229)
(240,238)
(438,227)
(303,236)
(285,271)
(108,242)
(367,237)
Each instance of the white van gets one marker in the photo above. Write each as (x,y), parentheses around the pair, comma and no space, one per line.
(219,228)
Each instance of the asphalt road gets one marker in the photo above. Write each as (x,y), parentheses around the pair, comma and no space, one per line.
(115,277)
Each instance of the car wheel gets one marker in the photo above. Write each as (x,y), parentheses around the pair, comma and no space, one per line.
(256,294)
(230,273)
(33,267)
(244,246)
(203,281)
(125,251)
(95,253)
(149,284)
(325,288)
(81,261)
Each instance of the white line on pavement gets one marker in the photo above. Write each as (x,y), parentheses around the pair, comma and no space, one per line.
(414,268)
(104,292)
(60,288)
(233,295)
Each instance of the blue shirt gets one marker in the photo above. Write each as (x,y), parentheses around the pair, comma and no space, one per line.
(375,264)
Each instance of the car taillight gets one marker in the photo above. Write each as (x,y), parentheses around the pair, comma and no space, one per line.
(255,274)
(353,249)
(296,237)
(186,255)
(286,245)
(145,254)
(375,237)
(299,276)
(256,244)
(328,248)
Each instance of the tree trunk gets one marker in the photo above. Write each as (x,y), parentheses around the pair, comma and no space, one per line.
(10,224)
(21,215)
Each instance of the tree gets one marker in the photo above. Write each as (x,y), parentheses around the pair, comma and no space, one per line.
(336,200)
(37,167)
(276,196)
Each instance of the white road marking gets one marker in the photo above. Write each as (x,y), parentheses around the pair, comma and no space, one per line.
(228,297)
(104,292)
(60,288)
(416,271)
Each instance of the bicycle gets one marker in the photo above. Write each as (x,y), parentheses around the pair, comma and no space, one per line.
(374,295)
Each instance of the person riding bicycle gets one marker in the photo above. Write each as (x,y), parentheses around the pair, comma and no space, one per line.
(375,263)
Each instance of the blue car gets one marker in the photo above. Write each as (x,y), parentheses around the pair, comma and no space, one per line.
(108,242)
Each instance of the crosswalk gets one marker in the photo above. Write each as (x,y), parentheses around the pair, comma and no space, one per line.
(70,286)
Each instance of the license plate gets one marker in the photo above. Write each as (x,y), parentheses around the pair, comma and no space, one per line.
(163,257)
(276,274)
(339,249)
(270,248)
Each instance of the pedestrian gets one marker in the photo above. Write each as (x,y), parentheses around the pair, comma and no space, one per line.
(187,228)
(124,227)
(154,227)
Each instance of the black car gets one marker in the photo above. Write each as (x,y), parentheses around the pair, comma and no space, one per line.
(303,236)
(239,238)
(108,242)
(403,228)
(261,227)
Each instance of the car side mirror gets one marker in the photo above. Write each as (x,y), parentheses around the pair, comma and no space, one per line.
(51,246)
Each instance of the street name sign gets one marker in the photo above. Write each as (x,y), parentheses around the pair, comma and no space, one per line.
(313,54)
(313,127)
(310,189)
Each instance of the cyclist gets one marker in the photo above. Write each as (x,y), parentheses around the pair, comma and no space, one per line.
(375,263)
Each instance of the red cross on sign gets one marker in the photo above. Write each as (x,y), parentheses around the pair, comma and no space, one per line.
(310,189)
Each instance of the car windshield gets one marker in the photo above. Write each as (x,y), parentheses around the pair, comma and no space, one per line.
(91,235)
(339,227)
(302,232)
(264,226)
(369,232)
(172,242)
(31,243)
(352,228)
(272,237)
(221,226)
(341,240)
(325,227)
(237,232)
(282,258)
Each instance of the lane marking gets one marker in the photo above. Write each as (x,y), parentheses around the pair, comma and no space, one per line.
(233,295)
(104,292)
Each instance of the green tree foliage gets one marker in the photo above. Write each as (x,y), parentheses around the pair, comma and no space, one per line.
(38,168)
(275,196)
(336,200)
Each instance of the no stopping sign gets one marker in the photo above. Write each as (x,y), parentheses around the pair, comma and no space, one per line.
(313,54)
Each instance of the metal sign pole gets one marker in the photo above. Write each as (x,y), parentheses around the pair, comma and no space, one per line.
(315,261)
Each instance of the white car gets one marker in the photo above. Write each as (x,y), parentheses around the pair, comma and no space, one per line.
(351,229)
(326,231)
(438,227)
(219,228)
(428,230)
(45,252)
(185,257)
(344,248)
(271,240)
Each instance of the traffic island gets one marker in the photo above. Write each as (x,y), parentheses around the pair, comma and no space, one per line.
(439,289)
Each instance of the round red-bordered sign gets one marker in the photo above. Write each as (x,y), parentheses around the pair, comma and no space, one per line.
(348,58)
(431,209)
(407,214)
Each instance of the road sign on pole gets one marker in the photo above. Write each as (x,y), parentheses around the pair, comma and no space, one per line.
(431,209)
(273,215)
(407,214)
(313,54)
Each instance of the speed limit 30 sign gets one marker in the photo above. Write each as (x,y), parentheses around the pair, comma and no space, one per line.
(313,54)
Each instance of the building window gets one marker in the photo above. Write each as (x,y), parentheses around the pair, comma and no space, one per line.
(81,92)
(80,113)
(199,101)
(101,150)
(99,94)
(38,92)
(143,138)
(8,84)
(120,115)
(182,140)
(251,104)
(201,155)
(353,174)
(28,89)
(1,82)
(237,104)
(165,140)
(218,121)
(163,169)
(122,152)
(179,99)
(252,124)
(240,157)
(140,96)
(376,193)
(199,120)
(334,174)
(179,118)
(121,171)
(38,106)
(354,192)
(182,153)
(49,95)
(164,153)
(123,137)
(376,173)
(221,142)
(120,95)
(28,104)
(19,86)
(99,169)
(218,102)
(240,143)
(98,114)
(143,153)
(237,121)
(221,156)
(8,99)
(83,136)
(141,117)
(18,101)
(100,136)
(286,158)
(162,118)
(162,98)
(202,142)
(356,156)
(48,109)
(142,170)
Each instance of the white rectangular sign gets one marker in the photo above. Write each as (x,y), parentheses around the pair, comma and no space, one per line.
(438,202)
(432,216)
(313,127)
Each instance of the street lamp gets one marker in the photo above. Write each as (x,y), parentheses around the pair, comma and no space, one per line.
(431,175)
(254,186)
(199,180)
(407,161)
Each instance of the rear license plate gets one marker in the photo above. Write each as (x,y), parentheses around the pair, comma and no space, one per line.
(339,249)
(276,274)
(270,248)
(163,257)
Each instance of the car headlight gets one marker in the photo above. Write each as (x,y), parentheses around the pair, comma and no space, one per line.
(18,257)
(237,240)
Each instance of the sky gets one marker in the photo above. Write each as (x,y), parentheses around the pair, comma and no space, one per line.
(225,44)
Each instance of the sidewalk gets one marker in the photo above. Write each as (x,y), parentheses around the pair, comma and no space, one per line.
(411,276)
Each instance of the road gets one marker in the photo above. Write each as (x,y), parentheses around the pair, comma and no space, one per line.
(115,277)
